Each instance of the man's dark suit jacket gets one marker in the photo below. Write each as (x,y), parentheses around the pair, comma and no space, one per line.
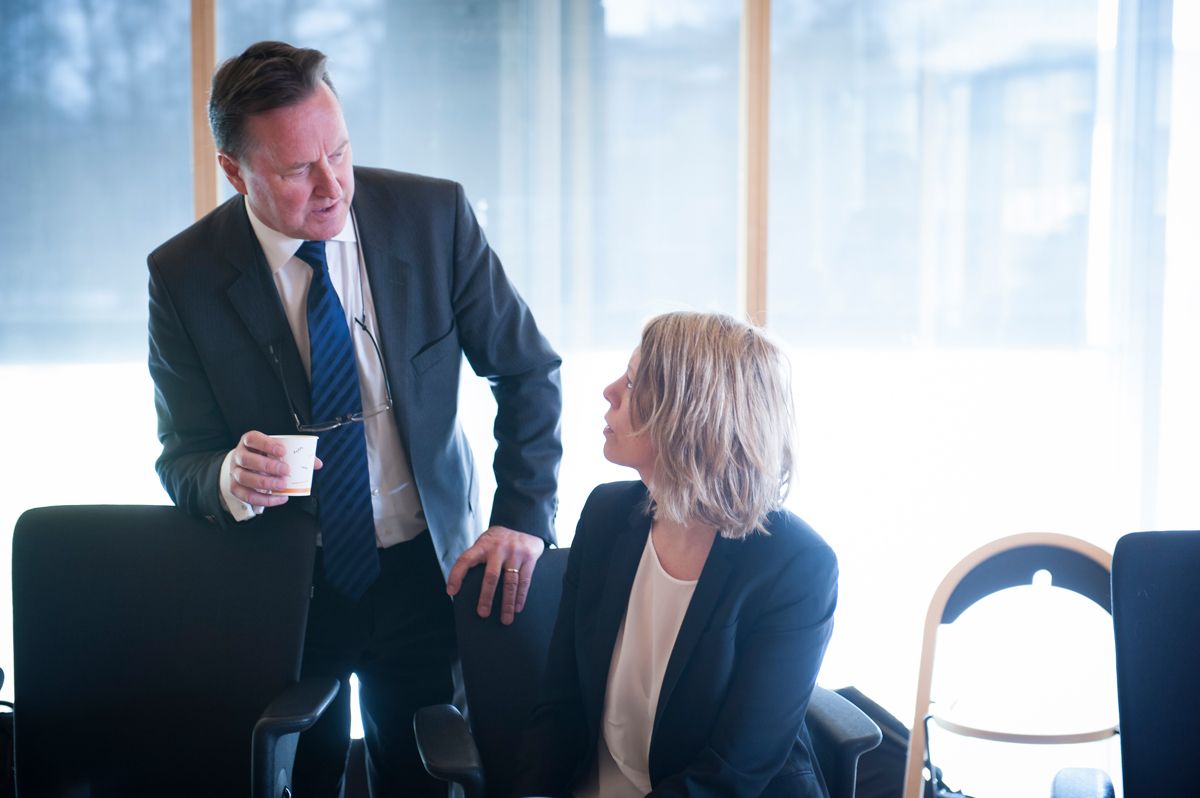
(220,346)
(730,717)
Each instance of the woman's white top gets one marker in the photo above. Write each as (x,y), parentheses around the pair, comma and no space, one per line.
(657,604)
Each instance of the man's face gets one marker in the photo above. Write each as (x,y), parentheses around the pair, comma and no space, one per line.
(296,172)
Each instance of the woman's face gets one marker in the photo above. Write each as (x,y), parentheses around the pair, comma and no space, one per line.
(621,446)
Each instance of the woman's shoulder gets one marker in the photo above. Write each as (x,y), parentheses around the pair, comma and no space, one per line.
(787,537)
(612,495)
(609,509)
(613,504)
(792,564)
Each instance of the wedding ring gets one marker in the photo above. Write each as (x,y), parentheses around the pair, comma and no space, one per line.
(516,571)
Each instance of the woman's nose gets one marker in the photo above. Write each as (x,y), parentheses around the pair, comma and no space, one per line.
(610,394)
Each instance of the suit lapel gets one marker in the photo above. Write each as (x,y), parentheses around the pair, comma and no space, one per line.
(256,300)
(386,277)
(709,589)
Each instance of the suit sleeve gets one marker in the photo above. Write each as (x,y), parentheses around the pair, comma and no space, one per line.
(555,739)
(191,429)
(763,710)
(503,344)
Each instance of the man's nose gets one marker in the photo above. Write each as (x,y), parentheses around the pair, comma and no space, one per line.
(326,181)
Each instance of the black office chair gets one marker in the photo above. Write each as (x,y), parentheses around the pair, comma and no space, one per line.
(1156,621)
(482,758)
(1156,625)
(491,655)
(158,654)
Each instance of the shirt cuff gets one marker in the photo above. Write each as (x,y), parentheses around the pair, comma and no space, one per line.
(240,510)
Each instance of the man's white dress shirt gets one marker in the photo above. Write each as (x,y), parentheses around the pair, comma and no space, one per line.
(398,514)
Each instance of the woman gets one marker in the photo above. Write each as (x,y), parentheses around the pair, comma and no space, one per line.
(695,609)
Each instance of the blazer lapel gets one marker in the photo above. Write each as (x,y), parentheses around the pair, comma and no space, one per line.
(626,553)
(709,589)
(256,300)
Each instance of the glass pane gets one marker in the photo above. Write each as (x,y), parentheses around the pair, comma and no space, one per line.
(966,236)
(931,171)
(94,113)
(1179,501)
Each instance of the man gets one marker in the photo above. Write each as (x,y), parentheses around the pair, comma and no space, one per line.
(338,301)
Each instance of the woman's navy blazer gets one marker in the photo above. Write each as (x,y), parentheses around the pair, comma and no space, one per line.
(730,717)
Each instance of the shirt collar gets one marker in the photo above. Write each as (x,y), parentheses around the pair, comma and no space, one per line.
(279,248)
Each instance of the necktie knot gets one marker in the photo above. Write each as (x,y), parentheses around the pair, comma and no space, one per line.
(313,253)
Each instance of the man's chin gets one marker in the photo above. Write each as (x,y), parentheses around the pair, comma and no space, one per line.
(324,226)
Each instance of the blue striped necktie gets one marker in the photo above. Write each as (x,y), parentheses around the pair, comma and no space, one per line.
(344,483)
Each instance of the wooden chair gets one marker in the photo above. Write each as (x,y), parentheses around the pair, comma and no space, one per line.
(1074,564)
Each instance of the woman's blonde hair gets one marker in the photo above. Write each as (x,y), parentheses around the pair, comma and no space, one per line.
(712,394)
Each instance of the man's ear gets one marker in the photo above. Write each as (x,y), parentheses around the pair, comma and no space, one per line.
(232,170)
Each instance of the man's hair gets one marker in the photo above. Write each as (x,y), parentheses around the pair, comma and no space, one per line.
(713,396)
(268,75)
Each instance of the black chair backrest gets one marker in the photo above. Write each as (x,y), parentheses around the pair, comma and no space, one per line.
(503,665)
(147,643)
(1156,620)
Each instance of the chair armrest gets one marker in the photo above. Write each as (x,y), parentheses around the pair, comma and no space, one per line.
(1081,783)
(842,722)
(278,730)
(447,748)
(298,707)
(847,732)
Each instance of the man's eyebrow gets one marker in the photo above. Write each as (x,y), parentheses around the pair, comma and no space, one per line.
(301,164)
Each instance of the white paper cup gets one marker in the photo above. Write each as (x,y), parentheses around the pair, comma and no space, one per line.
(301,452)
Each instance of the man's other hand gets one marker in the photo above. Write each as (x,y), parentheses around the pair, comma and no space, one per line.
(508,555)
